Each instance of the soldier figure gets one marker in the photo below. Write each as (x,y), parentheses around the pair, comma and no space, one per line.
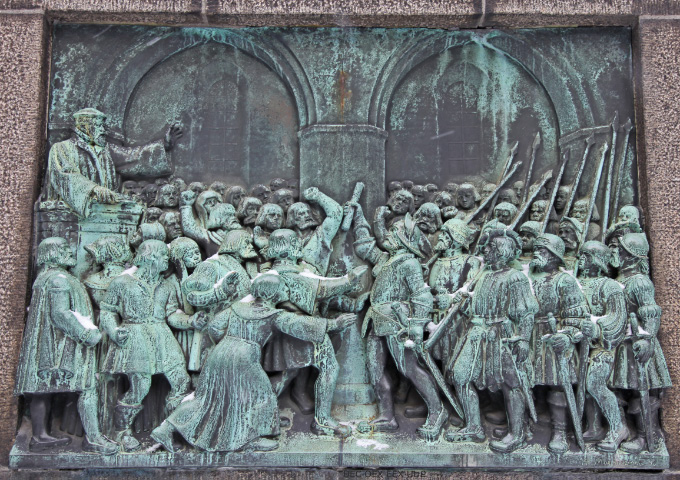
(561,305)
(570,231)
(57,351)
(628,221)
(420,196)
(452,270)
(580,212)
(606,331)
(398,279)
(261,192)
(428,218)
(528,232)
(466,200)
(641,347)
(495,351)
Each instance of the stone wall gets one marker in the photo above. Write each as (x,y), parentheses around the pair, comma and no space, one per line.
(24,52)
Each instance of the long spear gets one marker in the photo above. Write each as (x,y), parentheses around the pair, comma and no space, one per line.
(534,149)
(503,181)
(470,217)
(610,173)
(565,159)
(534,193)
(627,127)
(572,195)
(593,193)
(506,169)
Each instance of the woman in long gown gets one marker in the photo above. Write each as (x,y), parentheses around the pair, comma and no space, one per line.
(234,406)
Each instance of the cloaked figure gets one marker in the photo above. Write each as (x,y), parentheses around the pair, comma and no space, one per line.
(87,168)
(58,352)
(234,406)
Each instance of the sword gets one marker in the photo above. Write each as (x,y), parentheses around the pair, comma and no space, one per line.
(643,379)
(424,355)
(522,377)
(565,381)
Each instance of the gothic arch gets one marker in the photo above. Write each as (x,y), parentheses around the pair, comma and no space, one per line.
(560,80)
(151,50)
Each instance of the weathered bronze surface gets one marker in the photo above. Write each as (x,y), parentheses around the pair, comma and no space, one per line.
(202,297)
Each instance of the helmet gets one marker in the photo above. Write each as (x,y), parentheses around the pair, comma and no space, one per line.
(635,244)
(552,243)
(459,231)
(575,224)
(600,253)
(531,226)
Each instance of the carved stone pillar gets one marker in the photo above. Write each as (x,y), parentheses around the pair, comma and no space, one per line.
(333,158)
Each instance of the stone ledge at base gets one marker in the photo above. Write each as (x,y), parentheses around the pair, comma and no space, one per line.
(378,450)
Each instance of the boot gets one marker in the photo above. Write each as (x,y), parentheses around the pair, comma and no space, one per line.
(262,445)
(330,426)
(516,436)
(594,431)
(433,425)
(299,393)
(100,445)
(465,435)
(40,408)
(123,417)
(639,443)
(47,442)
(378,425)
(558,442)
(613,439)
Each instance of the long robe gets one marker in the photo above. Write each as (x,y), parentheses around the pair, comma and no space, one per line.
(234,402)
(53,358)
(75,168)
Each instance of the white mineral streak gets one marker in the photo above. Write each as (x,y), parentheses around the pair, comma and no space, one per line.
(189,397)
(86,322)
(218,283)
(214,257)
(365,443)
(247,299)
(409,343)
(153,448)
(130,271)
(432,327)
